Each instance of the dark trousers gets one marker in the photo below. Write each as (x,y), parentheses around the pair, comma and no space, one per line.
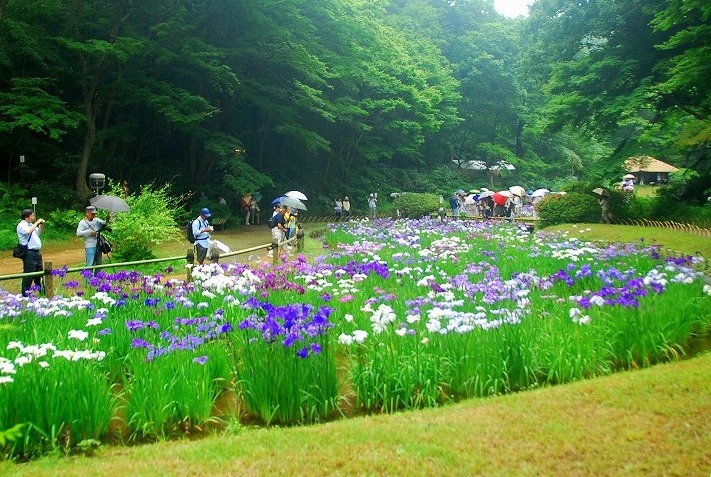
(32,263)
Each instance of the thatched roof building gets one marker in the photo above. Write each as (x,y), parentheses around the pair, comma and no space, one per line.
(648,170)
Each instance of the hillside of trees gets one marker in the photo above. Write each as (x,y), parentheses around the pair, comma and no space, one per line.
(346,97)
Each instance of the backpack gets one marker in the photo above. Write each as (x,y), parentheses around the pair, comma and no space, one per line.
(103,244)
(189,232)
(271,222)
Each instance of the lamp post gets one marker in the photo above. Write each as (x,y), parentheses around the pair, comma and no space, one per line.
(97,181)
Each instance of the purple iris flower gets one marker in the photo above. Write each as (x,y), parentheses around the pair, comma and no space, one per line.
(200,360)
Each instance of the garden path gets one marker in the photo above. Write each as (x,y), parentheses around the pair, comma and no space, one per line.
(71,253)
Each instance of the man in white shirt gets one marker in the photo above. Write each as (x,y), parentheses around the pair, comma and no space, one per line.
(28,233)
(89,228)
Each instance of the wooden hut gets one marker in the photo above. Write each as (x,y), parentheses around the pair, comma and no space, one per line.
(648,170)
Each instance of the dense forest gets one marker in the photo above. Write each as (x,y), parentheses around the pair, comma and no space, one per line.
(339,97)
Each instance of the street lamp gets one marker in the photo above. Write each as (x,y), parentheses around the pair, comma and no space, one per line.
(97,181)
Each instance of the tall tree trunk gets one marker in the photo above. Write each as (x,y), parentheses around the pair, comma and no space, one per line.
(3,4)
(90,98)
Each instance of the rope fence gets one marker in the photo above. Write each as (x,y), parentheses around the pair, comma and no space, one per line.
(678,226)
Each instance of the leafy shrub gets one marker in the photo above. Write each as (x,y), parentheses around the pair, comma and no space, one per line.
(413,205)
(151,221)
(65,221)
(570,208)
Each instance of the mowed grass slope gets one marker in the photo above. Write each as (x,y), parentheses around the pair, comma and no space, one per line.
(643,422)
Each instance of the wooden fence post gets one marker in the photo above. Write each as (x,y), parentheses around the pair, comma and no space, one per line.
(300,239)
(48,280)
(275,251)
(190,257)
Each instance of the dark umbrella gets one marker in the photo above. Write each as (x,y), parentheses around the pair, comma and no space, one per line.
(110,203)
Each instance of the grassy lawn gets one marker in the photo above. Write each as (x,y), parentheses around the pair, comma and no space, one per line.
(673,241)
(640,423)
(645,190)
(643,422)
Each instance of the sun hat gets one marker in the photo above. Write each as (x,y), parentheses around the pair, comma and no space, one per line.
(206,212)
(91,209)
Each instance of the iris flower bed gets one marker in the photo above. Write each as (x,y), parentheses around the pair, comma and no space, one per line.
(395,315)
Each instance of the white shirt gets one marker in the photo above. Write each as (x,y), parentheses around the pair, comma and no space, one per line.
(34,242)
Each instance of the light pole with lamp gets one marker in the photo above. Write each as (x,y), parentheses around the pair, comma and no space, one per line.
(97,181)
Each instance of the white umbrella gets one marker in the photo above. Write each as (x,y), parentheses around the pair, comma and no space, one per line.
(540,193)
(469,200)
(629,176)
(292,202)
(485,194)
(507,193)
(518,190)
(295,194)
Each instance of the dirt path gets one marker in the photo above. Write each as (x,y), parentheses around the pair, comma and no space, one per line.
(72,253)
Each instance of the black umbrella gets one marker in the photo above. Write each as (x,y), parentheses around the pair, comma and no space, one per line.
(110,203)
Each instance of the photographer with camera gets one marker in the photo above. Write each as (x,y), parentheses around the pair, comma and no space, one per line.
(89,228)
(28,235)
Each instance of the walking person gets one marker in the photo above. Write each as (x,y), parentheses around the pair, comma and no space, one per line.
(254,211)
(28,233)
(372,204)
(346,207)
(605,206)
(338,208)
(202,230)
(89,228)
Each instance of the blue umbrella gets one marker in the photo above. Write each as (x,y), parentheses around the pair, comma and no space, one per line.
(277,201)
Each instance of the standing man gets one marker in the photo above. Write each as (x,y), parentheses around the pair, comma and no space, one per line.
(372,204)
(202,230)
(279,229)
(28,233)
(454,205)
(346,207)
(89,228)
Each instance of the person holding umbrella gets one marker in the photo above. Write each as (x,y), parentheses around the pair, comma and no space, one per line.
(88,229)
(603,197)
(201,231)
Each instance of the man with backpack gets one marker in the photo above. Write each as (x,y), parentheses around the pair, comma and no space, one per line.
(201,231)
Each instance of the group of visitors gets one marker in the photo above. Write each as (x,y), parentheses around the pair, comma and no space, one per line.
(285,225)
(485,203)
(342,207)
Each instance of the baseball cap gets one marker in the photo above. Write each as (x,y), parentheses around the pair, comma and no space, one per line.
(206,212)
(91,209)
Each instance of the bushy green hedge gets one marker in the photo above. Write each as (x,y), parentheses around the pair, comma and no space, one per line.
(414,205)
(570,208)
